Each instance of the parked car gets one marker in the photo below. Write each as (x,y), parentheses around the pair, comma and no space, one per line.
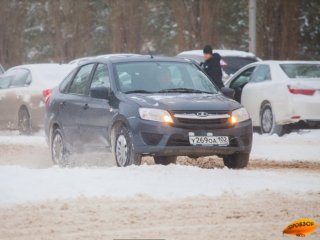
(158,106)
(1,69)
(79,61)
(22,94)
(279,93)
(231,60)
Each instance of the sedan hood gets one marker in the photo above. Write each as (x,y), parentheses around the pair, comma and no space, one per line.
(190,101)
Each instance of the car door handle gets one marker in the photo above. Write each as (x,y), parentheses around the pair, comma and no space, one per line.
(86,106)
(62,104)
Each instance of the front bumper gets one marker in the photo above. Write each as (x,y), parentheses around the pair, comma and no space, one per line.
(153,138)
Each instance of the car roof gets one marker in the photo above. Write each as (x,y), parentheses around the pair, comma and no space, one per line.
(277,62)
(222,52)
(79,61)
(140,58)
(287,62)
(46,74)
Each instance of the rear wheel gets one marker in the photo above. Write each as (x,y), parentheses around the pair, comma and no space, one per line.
(58,149)
(24,123)
(165,160)
(236,161)
(267,122)
(123,149)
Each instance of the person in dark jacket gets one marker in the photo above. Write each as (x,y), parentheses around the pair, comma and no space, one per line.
(212,66)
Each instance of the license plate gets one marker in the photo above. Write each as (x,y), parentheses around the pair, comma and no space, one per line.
(209,140)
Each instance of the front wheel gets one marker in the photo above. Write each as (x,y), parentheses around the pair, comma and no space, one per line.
(165,160)
(123,149)
(236,161)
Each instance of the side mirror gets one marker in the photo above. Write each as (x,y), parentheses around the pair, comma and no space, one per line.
(100,92)
(229,92)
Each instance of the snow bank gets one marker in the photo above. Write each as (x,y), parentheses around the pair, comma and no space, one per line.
(19,184)
(23,140)
(303,146)
(298,146)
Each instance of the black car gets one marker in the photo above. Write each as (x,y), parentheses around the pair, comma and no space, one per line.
(231,60)
(144,105)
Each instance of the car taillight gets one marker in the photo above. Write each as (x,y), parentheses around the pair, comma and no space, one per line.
(308,92)
(223,63)
(46,94)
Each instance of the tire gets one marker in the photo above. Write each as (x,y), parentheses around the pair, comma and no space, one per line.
(24,122)
(123,149)
(236,161)
(59,153)
(267,122)
(165,160)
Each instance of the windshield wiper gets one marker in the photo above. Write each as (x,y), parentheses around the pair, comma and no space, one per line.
(137,91)
(182,90)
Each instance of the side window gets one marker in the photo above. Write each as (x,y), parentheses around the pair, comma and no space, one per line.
(81,80)
(66,82)
(242,79)
(261,73)
(21,78)
(5,80)
(101,77)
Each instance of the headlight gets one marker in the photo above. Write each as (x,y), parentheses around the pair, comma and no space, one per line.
(154,114)
(239,115)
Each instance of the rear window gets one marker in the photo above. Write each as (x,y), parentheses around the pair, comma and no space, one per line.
(15,78)
(301,70)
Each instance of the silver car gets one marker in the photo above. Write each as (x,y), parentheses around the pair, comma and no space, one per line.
(23,90)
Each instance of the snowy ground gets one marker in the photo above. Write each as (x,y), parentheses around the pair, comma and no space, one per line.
(192,200)
(18,185)
(42,181)
(298,146)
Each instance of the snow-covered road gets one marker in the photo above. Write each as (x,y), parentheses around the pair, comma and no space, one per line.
(96,200)
(18,185)
(27,174)
(297,146)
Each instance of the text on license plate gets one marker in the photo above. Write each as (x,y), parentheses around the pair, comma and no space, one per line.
(209,140)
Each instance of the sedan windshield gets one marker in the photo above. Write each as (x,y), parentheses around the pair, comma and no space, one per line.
(163,77)
(301,70)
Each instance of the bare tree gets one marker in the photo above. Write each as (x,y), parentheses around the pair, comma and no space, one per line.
(11,30)
(211,13)
(60,30)
(127,23)
(70,26)
(277,36)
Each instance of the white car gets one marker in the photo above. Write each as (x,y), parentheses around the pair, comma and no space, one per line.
(279,93)
(23,92)
(231,60)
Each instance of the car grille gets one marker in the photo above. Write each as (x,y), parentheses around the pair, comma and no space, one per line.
(202,119)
